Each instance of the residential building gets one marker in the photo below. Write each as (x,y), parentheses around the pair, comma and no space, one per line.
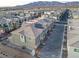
(9,24)
(31,34)
(5,24)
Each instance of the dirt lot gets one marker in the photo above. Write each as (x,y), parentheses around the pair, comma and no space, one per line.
(12,53)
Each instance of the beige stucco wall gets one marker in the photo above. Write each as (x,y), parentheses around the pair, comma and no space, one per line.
(15,39)
(31,43)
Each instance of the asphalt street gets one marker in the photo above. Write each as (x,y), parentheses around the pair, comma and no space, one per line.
(53,46)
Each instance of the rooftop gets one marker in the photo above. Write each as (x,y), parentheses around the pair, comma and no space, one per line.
(29,29)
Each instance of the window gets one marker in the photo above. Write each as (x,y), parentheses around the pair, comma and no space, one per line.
(0,25)
(23,38)
(76,50)
(5,25)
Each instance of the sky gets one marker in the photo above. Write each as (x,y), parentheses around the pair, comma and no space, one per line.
(6,3)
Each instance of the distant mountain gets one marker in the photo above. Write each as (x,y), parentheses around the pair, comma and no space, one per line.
(47,3)
(72,3)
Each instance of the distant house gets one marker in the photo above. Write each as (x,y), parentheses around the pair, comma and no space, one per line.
(75,14)
(9,24)
(15,23)
(5,24)
(27,16)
